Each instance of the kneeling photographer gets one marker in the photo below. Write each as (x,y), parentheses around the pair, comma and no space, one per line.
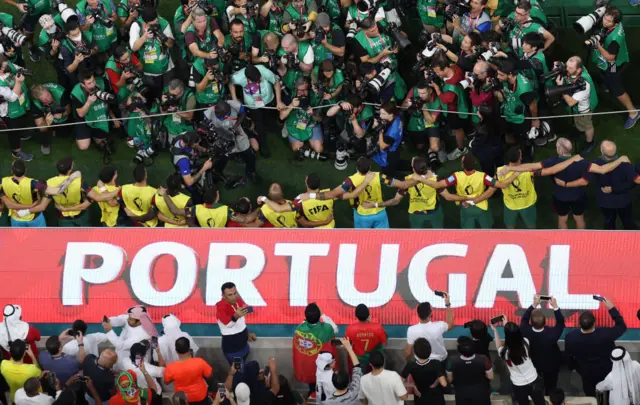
(576,89)
(143,132)
(423,127)
(358,119)
(209,80)
(300,121)
(51,105)
(227,118)
(180,101)
(185,155)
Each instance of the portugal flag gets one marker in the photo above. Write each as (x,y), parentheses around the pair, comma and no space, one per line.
(308,341)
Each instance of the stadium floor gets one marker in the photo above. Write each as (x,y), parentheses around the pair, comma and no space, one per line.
(279,168)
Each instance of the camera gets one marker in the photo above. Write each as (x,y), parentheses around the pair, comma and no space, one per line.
(595,39)
(104,96)
(100,19)
(491,84)
(303,102)
(320,90)
(319,35)
(146,154)
(456,8)
(65,11)
(559,69)
(215,144)
(468,81)
(273,60)
(15,36)
(253,7)
(59,35)
(508,24)
(416,105)
(289,60)
(171,101)
(136,80)
(137,103)
(157,33)
(300,30)
(401,40)
(312,154)
(353,30)
(377,83)
(24,72)
(83,50)
(586,23)
(579,85)
(430,76)
(223,53)
(489,52)
(208,9)
(342,157)
(54,110)
(213,65)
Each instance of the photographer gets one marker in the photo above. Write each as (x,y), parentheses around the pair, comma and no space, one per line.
(31,10)
(326,82)
(389,138)
(522,24)
(201,35)
(78,51)
(517,97)
(51,105)
(14,106)
(115,68)
(245,12)
(431,13)
(179,17)
(580,101)
(50,39)
(98,17)
(610,54)
(259,87)
(359,117)
(474,20)
(227,118)
(467,55)
(393,88)
(300,121)
(453,101)
(238,44)
(374,46)
(264,45)
(360,10)
(184,154)
(328,41)
(88,107)
(180,101)
(209,81)
(532,62)
(152,38)
(139,126)
(303,62)
(271,14)
(298,17)
(423,127)
(128,11)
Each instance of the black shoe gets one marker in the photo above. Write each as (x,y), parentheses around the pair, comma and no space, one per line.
(588,148)
(34,54)
(265,153)
(254,178)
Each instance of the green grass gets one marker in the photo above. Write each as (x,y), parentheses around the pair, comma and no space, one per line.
(280,168)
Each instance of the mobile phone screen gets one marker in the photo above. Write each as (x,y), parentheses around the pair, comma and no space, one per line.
(545,298)
(336,342)
(497,319)
(105,319)
(249,310)
(598,298)
(439,293)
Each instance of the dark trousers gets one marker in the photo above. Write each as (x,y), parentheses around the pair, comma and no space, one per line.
(550,381)
(156,84)
(14,136)
(247,156)
(535,390)
(259,116)
(625,214)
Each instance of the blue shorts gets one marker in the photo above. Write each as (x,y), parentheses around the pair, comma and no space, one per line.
(37,222)
(317,135)
(376,221)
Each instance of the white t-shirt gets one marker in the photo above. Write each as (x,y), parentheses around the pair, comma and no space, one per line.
(522,374)
(385,388)
(308,57)
(91,343)
(154,371)
(583,98)
(432,331)
(41,399)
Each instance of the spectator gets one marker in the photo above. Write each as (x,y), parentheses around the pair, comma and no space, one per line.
(140,355)
(310,338)
(230,311)
(250,386)
(15,328)
(90,341)
(286,395)
(30,394)
(100,371)
(64,366)
(470,373)
(380,386)
(167,342)
(136,326)
(188,374)
(346,392)
(516,354)
(481,338)
(623,381)
(15,371)
(545,352)
(325,363)
(132,393)
(427,374)
(432,331)
(365,336)
(588,349)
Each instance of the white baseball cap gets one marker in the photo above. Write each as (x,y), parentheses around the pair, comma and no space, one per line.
(243,394)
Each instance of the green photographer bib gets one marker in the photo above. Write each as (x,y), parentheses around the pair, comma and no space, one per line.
(174,123)
(292,75)
(214,90)
(103,36)
(57,92)
(617,34)
(300,125)
(513,108)
(99,110)
(431,12)
(320,52)
(416,120)
(152,54)
(373,46)
(461,99)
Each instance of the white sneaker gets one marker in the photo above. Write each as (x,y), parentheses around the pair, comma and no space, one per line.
(457,153)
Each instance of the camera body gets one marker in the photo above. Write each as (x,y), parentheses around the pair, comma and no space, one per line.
(300,30)
(586,23)
(304,102)
(508,24)
(157,33)
(290,61)
(430,76)
(456,8)
(83,50)
(24,72)
(399,39)
(100,19)
(213,65)
(208,9)
(559,69)
(13,35)
(377,83)
(171,101)
(320,34)
(570,88)
(104,96)
(215,144)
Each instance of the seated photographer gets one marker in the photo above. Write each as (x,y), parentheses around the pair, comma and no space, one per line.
(453,99)
(121,68)
(30,393)
(358,118)
(467,55)
(300,120)
(208,81)
(180,101)
(77,52)
(151,38)
(423,127)
(181,202)
(298,18)
(245,12)
(99,17)
(184,154)
(328,40)
(13,108)
(374,46)
(392,86)
(431,13)
(51,105)
(474,20)
(227,117)
(518,97)
(201,35)
(581,98)
(259,88)
(88,107)
(518,24)
(50,39)
(238,43)
(610,55)
(264,45)
(389,137)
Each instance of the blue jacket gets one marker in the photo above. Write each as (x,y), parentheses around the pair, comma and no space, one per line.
(392,135)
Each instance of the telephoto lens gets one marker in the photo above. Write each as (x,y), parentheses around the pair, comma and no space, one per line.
(104,96)
(586,23)
(16,37)
(312,154)
(342,157)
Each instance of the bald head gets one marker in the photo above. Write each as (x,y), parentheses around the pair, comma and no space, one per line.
(271,40)
(288,41)
(275,192)
(108,358)
(480,67)
(608,149)
(564,147)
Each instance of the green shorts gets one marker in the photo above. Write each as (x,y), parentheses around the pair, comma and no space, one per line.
(435,218)
(80,221)
(472,215)
(528,216)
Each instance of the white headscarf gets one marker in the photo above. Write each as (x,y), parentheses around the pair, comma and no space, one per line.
(324,384)
(167,342)
(12,327)
(625,377)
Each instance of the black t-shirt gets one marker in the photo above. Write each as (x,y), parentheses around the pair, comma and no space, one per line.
(528,98)
(358,50)
(102,378)
(256,39)
(613,48)
(481,346)
(38,113)
(337,38)
(469,374)
(424,375)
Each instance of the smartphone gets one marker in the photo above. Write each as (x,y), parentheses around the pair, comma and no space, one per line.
(497,319)
(237,363)
(105,319)
(439,293)
(545,298)
(468,324)
(336,342)
(249,310)
(138,361)
(221,390)
(599,298)
(267,371)
(154,342)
